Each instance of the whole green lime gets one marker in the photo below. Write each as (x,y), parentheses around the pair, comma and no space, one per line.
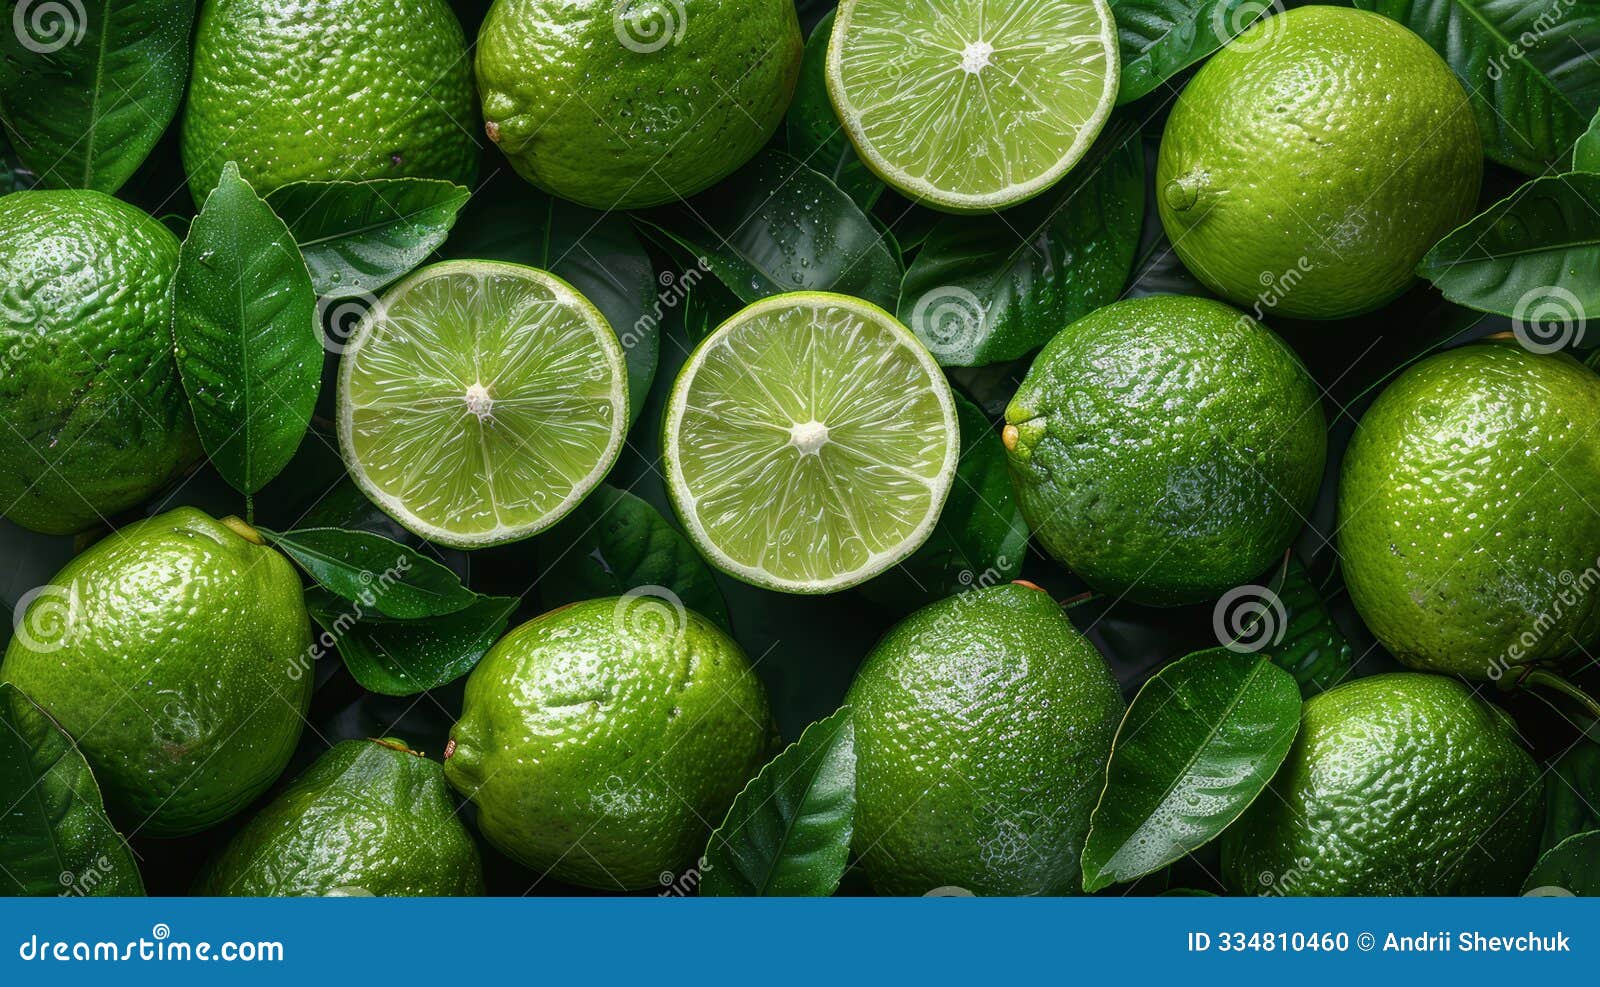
(369,816)
(601,741)
(982,727)
(329,90)
(1309,165)
(1398,784)
(176,651)
(97,418)
(1166,448)
(620,104)
(1467,521)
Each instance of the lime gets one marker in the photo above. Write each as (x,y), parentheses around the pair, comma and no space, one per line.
(809,443)
(369,816)
(177,653)
(973,105)
(1467,524)
(621,104)
(1309,165)
(480,401)
(345,90)
(982,727)
(1398,784)
(97,417)
(1166,448)
(601,741)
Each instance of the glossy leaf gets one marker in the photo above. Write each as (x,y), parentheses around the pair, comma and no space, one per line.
(777,225)
(984,289)
(248,344)
(87,89)
(814,132)
(1200,741)
(405,657)
(614,542)
(1571,868)
(1528,67)
(1586,152)
(358,237)
(1572,793)
(788,833)
(55,838)
(393,579)
(1158,39)
(1311,648)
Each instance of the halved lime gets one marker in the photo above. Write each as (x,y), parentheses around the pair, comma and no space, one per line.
(479,402)
(970,105)
(809,443)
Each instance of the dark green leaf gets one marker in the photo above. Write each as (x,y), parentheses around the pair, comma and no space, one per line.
(1534,255)
(981,538)
(776,225)
(814,133)
(1199,743)
(86,89)
(357,237)
(1572,793)
(1310,647)
(1527,65)
(14,176)
(391,578)
(248,345)
(1160,38)
(614,542)
(1571,868)
(1586,153)
(788,833)
(55,838)
(992,288)
(404,657)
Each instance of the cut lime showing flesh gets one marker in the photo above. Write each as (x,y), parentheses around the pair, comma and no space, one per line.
(809,443)
(479,402)
(970,105)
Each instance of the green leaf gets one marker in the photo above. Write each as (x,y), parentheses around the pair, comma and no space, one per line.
(1572,793)
(55,839)
(1160,38)
(776,225)
(814,132)
(1311,647)
(1534,255)
(391,578)
(597,253)
(1527,65)
(404,657)
(614,542)
(358,237)
(981,538)
(87,89)
(248,345)
(986,289)
(1586,152)
(1572,868)
(788,833)
(1199,743)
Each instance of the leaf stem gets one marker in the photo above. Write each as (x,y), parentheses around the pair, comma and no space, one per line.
(1557,683)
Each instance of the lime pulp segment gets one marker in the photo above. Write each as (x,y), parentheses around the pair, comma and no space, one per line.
(810,443)
(479,402)
(970,105)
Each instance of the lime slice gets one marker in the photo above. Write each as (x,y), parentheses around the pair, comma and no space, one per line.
(479,402)
(970,105)
(809,443)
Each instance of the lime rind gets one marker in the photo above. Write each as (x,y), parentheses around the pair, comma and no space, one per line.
(809,443)
(990,101)
(480,402)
